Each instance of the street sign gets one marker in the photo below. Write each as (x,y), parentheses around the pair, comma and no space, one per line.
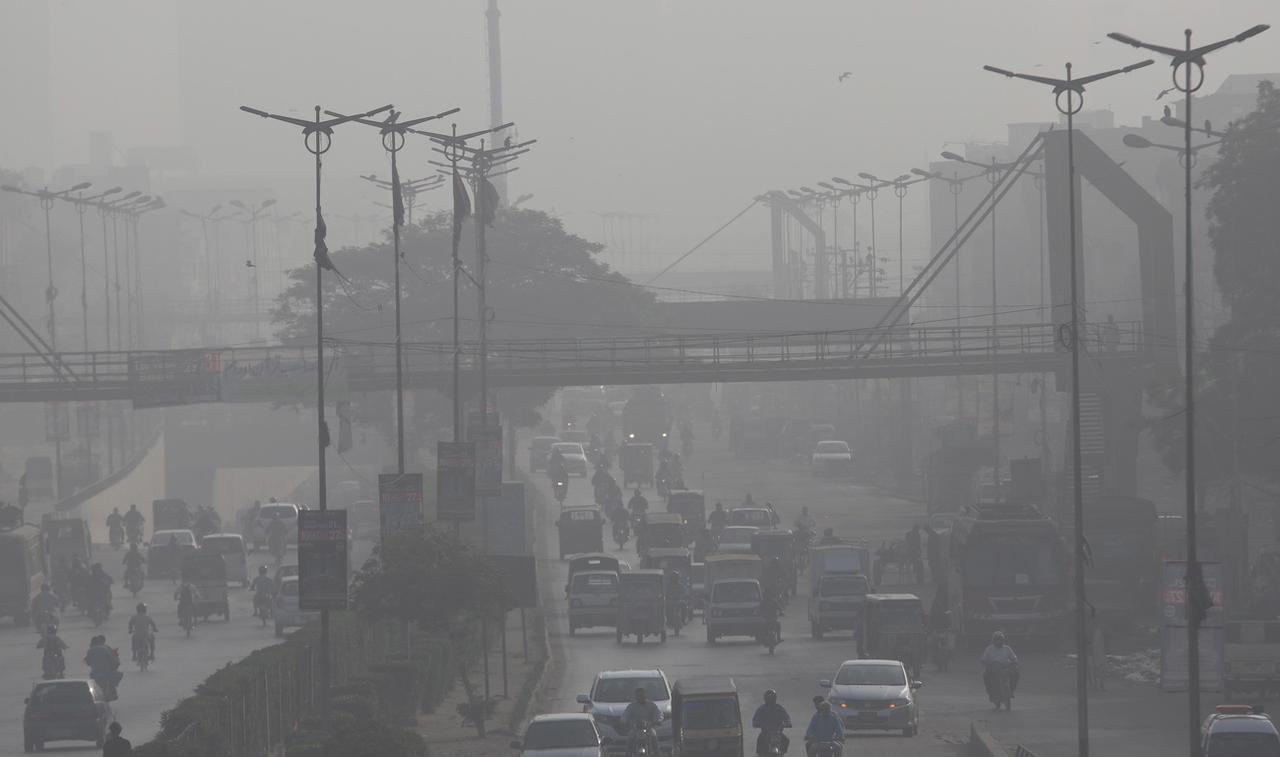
(507,521)
(322,559)
(488,441)
(519,575)
(1173,631)
(164,379)
(399,502)
(456,481)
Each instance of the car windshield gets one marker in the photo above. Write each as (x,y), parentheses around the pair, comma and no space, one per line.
(750,516)
(844,586)
(286,571)
(183,537)
(595,583)
(567,449)
(907,615)
(709,714)
(738,534)
(613,690)
(227,545)
(1012,561)
(278,511)
(838,447)
(736,591)
(70,692)
(1243,745)
(871,675)
(560,734)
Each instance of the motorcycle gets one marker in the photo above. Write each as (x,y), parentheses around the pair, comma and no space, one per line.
(43,620)
(54,665)
(769,636)
(621,531)
(826,749)
(560,489)
(677,615)
(643,743)
(133,581)
(99,610)
(262,607)
(142,651)
(108,684)
(772,744)
(186,619)
(135,534)
(116,536)
(999,681)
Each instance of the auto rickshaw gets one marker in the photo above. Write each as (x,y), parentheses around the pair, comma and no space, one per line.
(170,515)
(206,571)
(893,629)
(592,561)
(636,461)
(706,719)
(581,530)
(22,554)
(674,558)
(661,530)
(779,545)
(642,605)
(66,539)
(691,504)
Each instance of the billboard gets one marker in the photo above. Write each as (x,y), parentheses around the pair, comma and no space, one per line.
(1173,628)
(322,559)
(399,502)
(456,481)
(507,522)
(488,441)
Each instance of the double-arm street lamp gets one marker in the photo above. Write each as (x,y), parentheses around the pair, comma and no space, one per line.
(82,205)
(409,189)
(1188,64)
(253,213)
(111,210)
(899,184)
(1071,104)
(871,191)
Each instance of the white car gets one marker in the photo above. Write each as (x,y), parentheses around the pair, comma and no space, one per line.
(613,690)
(876,694)
(231,547)
(575,459)
(568,734)
(286,612)
(831,458)
(285,511)
(735,540)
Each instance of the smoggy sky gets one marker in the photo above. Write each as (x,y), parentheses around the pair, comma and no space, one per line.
(681,109)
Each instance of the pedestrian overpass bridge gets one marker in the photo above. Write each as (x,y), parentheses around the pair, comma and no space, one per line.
(283,374)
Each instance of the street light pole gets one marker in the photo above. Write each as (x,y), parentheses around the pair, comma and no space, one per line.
(1074,91)
(317,137)
(1191,62)
(254,213)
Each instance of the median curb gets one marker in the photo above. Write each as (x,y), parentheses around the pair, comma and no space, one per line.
(983,744)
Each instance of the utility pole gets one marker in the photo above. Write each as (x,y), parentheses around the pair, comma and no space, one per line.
(317,137)
(1074,103)
(493,28)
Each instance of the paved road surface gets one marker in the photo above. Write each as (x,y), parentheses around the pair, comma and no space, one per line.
(1131,719)
(180,664)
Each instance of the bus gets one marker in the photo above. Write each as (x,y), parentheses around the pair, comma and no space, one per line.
(1008,572)
(22,570)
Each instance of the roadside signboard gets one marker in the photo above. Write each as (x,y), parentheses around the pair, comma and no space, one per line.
(507,521)
(456,481)
(399,502)
(488,441)
(322,559)
(1173,631)
(164,379)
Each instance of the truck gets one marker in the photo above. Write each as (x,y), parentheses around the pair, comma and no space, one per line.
(838,586)
(646,418)
(1008,571)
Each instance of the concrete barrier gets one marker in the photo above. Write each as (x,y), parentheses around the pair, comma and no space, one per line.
(983,744)
(139,484)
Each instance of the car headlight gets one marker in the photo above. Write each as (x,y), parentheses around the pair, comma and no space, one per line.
(895,704)
(842,704)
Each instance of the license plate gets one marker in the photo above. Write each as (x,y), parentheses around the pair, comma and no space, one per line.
(869,714)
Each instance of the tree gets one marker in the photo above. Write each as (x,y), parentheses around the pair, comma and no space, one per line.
(543,282)
(1237,406)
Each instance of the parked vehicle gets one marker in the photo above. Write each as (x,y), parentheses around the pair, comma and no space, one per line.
(874,694)
(706,719)
(893,629)
(22,555)
(581,530)
(68,709)
(234,556)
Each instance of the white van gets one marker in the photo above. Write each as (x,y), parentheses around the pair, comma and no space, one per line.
(234,556)
(284,511)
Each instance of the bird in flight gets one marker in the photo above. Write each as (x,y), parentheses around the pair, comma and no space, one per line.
(1164,92)
(845,75)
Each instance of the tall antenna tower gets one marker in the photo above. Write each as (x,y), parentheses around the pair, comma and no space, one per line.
(492,16)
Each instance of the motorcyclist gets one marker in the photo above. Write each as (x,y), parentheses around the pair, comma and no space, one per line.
(142,629)
(44,606)
(824,727)
(601,482)
(638,505)
(53,663)
(133,521)
(103,665)
(679,590)
(771,601)
(186,597)
(771,717)
(263,587)
(641,712)
(998,654)
(78,583)
(828,537)
(773,514)
(115,527)
(133,562)
(805,521)
(716,519)
(99,587)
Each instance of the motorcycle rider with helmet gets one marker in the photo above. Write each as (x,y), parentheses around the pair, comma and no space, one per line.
(115,528)
(641,713)
(771,718)
(142,629)
(263,587)
(53,664)
(824,728)
(133,562)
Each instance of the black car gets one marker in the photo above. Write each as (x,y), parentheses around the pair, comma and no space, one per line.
(69,709)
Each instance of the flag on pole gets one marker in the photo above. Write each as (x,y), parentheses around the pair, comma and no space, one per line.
(461,208)
(397,197)
(487,200)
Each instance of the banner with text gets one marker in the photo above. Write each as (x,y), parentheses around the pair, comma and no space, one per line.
(456,481)
(399,502)
(1174,673)
(322,560)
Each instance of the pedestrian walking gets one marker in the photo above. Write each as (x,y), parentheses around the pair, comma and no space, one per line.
(116,745)
(914,553)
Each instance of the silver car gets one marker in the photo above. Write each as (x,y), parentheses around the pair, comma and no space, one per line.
(613,690)
(875,694)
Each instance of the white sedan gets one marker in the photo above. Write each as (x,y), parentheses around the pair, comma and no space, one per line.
(571,734)
(575,459)
(831,457)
